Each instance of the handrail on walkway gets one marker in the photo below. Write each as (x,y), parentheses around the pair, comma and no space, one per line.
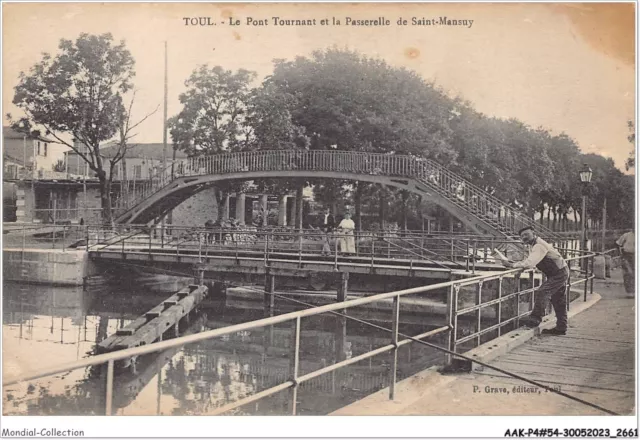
(500,296)
(431,174)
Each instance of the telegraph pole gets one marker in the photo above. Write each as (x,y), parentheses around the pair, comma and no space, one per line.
(164,123)
(604,224)
(164,132)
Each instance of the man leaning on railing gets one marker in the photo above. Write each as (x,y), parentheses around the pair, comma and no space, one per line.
(548,260)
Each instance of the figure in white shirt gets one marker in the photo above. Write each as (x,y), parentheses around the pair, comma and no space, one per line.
(549,261)
(627,245)
(347,239)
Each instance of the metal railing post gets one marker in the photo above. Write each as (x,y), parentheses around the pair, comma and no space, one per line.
(373,248)
(479,311)
(517,298)
(266,249)
(585,265)
(295,364)
(475,251)
(24,241)
(451,312)
(300,248)
(591,275)
(394,353)
(468,256)
(109,389)
(568,291)
(533,290)
(335,260)
(499,306)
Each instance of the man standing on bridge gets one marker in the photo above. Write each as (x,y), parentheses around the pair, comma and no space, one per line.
(549,261)
(327,226)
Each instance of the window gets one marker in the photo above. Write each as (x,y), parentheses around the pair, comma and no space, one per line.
(38,148)
(45,149)
(137,171)
(115,171)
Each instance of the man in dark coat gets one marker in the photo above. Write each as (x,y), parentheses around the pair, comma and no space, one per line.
(328,225)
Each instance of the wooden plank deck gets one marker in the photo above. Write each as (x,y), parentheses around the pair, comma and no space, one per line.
(595,362)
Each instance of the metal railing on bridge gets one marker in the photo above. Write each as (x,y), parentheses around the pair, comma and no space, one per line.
(501,292)
(457,252)
(433,175)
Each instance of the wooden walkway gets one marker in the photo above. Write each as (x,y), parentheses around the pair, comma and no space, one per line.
(593,362)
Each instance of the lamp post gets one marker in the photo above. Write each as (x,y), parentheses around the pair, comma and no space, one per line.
(585,178)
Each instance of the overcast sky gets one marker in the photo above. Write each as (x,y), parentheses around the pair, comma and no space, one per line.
(564,67)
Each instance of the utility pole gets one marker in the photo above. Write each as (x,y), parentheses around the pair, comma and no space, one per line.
(164,124)
(164,129)
(604,224)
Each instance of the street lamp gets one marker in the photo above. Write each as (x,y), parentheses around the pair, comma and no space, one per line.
(585,178)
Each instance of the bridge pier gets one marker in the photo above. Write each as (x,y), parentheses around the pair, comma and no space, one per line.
(269,289)
(225,208)
(342,287)
(199,275)
(291,221)
(264,208)
(282,211)
(240,209)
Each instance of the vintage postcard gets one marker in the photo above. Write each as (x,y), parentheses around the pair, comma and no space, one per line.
(319,209)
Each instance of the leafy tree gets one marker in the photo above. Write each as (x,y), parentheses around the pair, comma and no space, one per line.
(270,127)
(631,160)
(213,117)
(80,92)
(563,193)
(346,101)
(609,182)
(483,157)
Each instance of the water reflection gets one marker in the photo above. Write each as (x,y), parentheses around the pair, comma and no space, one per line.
(47,326)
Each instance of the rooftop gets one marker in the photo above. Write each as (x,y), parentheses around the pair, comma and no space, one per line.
(146,151)
(10,133)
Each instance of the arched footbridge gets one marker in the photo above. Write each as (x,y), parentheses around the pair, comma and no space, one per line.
(479,210)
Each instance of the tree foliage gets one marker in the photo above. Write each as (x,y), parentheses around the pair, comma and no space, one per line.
(80,92)
(339,99)
(213,117)
(631,160)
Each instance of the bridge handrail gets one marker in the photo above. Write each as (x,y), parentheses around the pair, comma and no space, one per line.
(487,196)
(427,171)
(447,248)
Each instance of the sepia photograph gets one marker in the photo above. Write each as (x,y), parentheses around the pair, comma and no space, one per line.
(319,209)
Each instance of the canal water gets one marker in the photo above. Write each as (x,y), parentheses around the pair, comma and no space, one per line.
(45,326)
